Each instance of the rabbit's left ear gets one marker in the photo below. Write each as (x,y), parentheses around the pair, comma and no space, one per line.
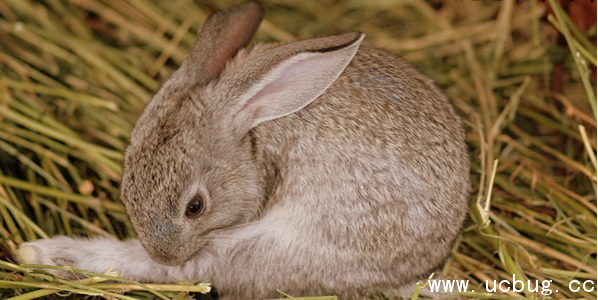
(219,38)
(286,79)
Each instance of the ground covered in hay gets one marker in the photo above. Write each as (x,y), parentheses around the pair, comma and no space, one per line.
(75,75)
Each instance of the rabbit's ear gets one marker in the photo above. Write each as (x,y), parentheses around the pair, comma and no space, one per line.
(220,37)
(286,79)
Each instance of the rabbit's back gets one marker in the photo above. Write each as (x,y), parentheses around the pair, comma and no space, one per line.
(377,165)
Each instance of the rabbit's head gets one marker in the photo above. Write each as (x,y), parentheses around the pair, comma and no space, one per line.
(191,169)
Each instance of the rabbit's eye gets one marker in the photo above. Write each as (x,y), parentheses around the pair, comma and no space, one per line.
(194,207)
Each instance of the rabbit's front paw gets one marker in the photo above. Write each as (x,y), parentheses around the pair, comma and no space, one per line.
(58,251)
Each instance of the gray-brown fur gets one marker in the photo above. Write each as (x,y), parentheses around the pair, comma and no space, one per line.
(360,189)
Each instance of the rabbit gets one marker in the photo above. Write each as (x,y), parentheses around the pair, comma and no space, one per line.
(317,167)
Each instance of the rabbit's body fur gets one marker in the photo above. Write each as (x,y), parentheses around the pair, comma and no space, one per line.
(360,191)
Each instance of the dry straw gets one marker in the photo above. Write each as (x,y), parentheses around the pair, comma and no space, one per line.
(75,74)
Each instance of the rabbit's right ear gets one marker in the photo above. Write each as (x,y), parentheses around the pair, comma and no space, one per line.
(286,79)
(220,37)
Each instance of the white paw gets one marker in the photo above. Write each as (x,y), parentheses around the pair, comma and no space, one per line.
(58,251)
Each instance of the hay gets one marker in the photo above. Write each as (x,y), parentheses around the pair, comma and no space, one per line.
(75,74)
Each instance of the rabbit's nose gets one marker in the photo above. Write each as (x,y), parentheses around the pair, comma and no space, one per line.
(160,229)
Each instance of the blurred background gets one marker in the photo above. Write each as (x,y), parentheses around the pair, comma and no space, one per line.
(76,74)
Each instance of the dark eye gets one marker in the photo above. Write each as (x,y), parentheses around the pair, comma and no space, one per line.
(194,207)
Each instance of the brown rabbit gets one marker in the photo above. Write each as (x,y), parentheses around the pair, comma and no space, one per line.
(317,167)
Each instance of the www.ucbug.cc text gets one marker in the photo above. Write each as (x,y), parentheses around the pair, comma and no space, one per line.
(517,286)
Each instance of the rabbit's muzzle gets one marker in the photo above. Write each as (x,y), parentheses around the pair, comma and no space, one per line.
(162,242)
